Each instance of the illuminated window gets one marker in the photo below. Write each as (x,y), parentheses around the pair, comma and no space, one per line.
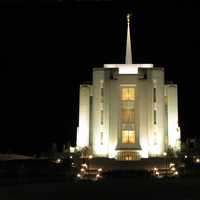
(128,156)
(125,137)
(132,137)
(127,104)
(128,137)
(128,94)
(127,115)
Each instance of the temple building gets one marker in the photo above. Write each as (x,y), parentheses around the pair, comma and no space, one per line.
(128,112)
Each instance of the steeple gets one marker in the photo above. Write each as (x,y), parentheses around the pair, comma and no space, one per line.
(128,58)
(128,67)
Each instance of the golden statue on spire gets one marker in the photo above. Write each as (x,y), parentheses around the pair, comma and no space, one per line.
(128,18)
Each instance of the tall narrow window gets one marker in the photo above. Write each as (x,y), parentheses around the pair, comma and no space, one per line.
(154,117)
(154,138)
(101,138)
(102,95)
(125,137)
(131,137)
(128,94)
(102,117)
(154,95)
(128,137)
(102,92)
(128,115)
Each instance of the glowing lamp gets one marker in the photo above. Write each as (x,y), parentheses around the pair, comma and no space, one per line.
(173,168)
(84,165)
(157,173)
(58,160)
(100,170)
(82,169)
(176,173)
(97,176)
(197,160)
(78,175)
(171,165)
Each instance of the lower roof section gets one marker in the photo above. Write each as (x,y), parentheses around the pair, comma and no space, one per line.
(128,68)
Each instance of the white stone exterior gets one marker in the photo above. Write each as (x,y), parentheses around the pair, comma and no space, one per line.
(173,129)
(154,111)
(105,138)
(83,130)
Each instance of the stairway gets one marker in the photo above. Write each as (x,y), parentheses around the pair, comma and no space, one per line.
(89,174)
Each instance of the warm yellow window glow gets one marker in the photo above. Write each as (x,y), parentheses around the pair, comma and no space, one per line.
(128,137)
(127,115)
(128,94)
(128,156)
(132,137)
(131,94)
(125,137)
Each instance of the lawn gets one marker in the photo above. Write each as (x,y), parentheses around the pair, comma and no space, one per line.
(179,188)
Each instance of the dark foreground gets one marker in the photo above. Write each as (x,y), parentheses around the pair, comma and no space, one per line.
(179,188)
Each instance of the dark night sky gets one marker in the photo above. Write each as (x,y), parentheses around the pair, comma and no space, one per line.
(47,49)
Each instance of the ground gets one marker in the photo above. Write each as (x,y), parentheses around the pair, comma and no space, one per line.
(165,189)
(13,157)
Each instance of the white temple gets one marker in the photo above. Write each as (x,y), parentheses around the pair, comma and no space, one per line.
(128,112)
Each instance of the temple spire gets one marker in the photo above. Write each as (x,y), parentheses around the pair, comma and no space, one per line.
(128,58)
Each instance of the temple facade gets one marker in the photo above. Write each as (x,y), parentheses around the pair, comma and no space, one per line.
(128,112)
